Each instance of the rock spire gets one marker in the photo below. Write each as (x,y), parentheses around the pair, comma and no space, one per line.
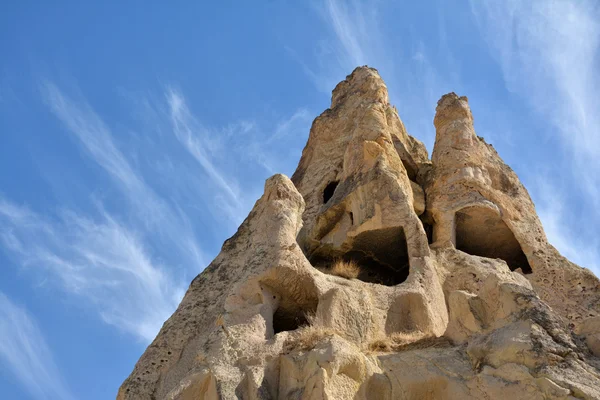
(376,272)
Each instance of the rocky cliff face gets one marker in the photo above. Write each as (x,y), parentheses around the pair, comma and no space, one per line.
(378,273)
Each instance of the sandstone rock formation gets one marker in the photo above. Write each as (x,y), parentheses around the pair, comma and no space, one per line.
(452,289)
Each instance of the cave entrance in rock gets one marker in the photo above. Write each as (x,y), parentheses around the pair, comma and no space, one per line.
(381,256)
(290,314)
(329,191)
(294,296)
(289,319)
(481,231)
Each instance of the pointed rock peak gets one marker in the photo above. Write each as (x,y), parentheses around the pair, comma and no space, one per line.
(364,83)
(451,107)
(379,257)
(279,187)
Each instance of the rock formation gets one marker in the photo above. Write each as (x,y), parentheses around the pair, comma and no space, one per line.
(378,273)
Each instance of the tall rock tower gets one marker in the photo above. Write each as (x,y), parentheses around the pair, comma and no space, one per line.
(377,273)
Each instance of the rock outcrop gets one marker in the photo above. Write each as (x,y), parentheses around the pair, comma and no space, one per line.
(378,273)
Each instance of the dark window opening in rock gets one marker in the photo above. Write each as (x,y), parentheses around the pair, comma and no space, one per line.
(351,219)
(291,315)
(480,231)
(293,296)
(329,191)
(381,256)
(288,319)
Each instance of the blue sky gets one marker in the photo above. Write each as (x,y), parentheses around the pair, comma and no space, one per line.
(134,138)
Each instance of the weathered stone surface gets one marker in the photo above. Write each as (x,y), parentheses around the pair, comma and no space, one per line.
(458,294)
(590,330)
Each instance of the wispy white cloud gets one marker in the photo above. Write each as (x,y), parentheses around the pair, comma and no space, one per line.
(227,160)
(548,52)
(288,126)
(128,269)
(193,136)
(125,262)
(354,40)
(278,150)
(322,85)
(356,36)
(348,20)
(553,210)
(81,120)
(152,210)
(24,351)
(102,261)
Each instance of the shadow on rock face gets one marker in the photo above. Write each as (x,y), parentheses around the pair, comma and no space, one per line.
(480,231)
(381,256)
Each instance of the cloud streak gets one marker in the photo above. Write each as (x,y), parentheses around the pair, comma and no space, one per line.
(223,162)
(152,211)
(355,36)
(24,350)
(548,52)
(101,261)
(554,213)
(126,267)
(349,24)
(192,136)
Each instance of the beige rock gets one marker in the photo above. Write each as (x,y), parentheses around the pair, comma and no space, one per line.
(457,293)
(355,176)
(466,314)
(590,329)
(478,204)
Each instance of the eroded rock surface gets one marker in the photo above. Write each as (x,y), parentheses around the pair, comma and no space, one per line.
(452,292)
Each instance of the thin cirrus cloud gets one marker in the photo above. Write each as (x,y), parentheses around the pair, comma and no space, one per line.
(548,53)
(152,210)
(192,135)
(125,267)
(279,149)
(101,261)
(271,149)
(348,20)
(290,125)
(352,41)
(349,43)
(551,211)
(355,37)
(24,349)
(186,156)
(120,268)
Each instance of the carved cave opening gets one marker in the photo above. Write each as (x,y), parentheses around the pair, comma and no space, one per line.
(381,256)
(481,231)
(329,191)
(293,309)
(289,319)
(294,298)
